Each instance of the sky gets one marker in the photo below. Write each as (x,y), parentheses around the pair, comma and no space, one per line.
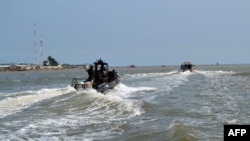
(125,32)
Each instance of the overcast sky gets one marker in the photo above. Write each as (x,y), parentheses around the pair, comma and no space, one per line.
(125,32)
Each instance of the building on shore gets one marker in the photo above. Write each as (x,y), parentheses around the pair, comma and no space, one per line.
(26,67)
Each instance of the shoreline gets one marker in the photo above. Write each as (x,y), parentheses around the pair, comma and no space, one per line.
(13,68)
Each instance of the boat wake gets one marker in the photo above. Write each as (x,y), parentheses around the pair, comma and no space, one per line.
(79,111)
(103,104)
(213,73)
(125,91)
(25,99)
(118,98)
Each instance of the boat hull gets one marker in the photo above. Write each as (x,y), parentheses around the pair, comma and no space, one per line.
(83,85)
(106,86)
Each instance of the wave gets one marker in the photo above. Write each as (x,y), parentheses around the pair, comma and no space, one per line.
(242,74)
(125,91)
(179,131)
(176,132)
(25,99)
(116,99)
(142,75)
(92,114)
(15,102)
(213,73)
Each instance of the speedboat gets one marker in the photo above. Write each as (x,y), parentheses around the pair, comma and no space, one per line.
(103,79)
(187,66)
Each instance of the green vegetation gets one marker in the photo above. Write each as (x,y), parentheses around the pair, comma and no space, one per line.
(50,62)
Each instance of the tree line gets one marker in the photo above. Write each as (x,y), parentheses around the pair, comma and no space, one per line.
(50,62)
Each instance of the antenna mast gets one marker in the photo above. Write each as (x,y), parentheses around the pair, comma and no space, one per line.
(35,43)
(41,50)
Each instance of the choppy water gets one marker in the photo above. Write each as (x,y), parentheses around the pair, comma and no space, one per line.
(150,104)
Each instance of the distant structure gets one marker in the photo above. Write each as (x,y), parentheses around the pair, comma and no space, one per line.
(131,66)
(41,51)
(35,47)
(35,38)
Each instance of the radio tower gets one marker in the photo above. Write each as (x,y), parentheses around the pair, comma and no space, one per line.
(35,43)
(41,50)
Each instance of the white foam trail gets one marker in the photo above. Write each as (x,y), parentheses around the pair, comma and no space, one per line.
(186,72)
(213,73)
(234,121)
(112,102)
(12,105)
(125,91)
(141,75)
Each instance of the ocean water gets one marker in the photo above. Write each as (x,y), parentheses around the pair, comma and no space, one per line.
(150,104)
